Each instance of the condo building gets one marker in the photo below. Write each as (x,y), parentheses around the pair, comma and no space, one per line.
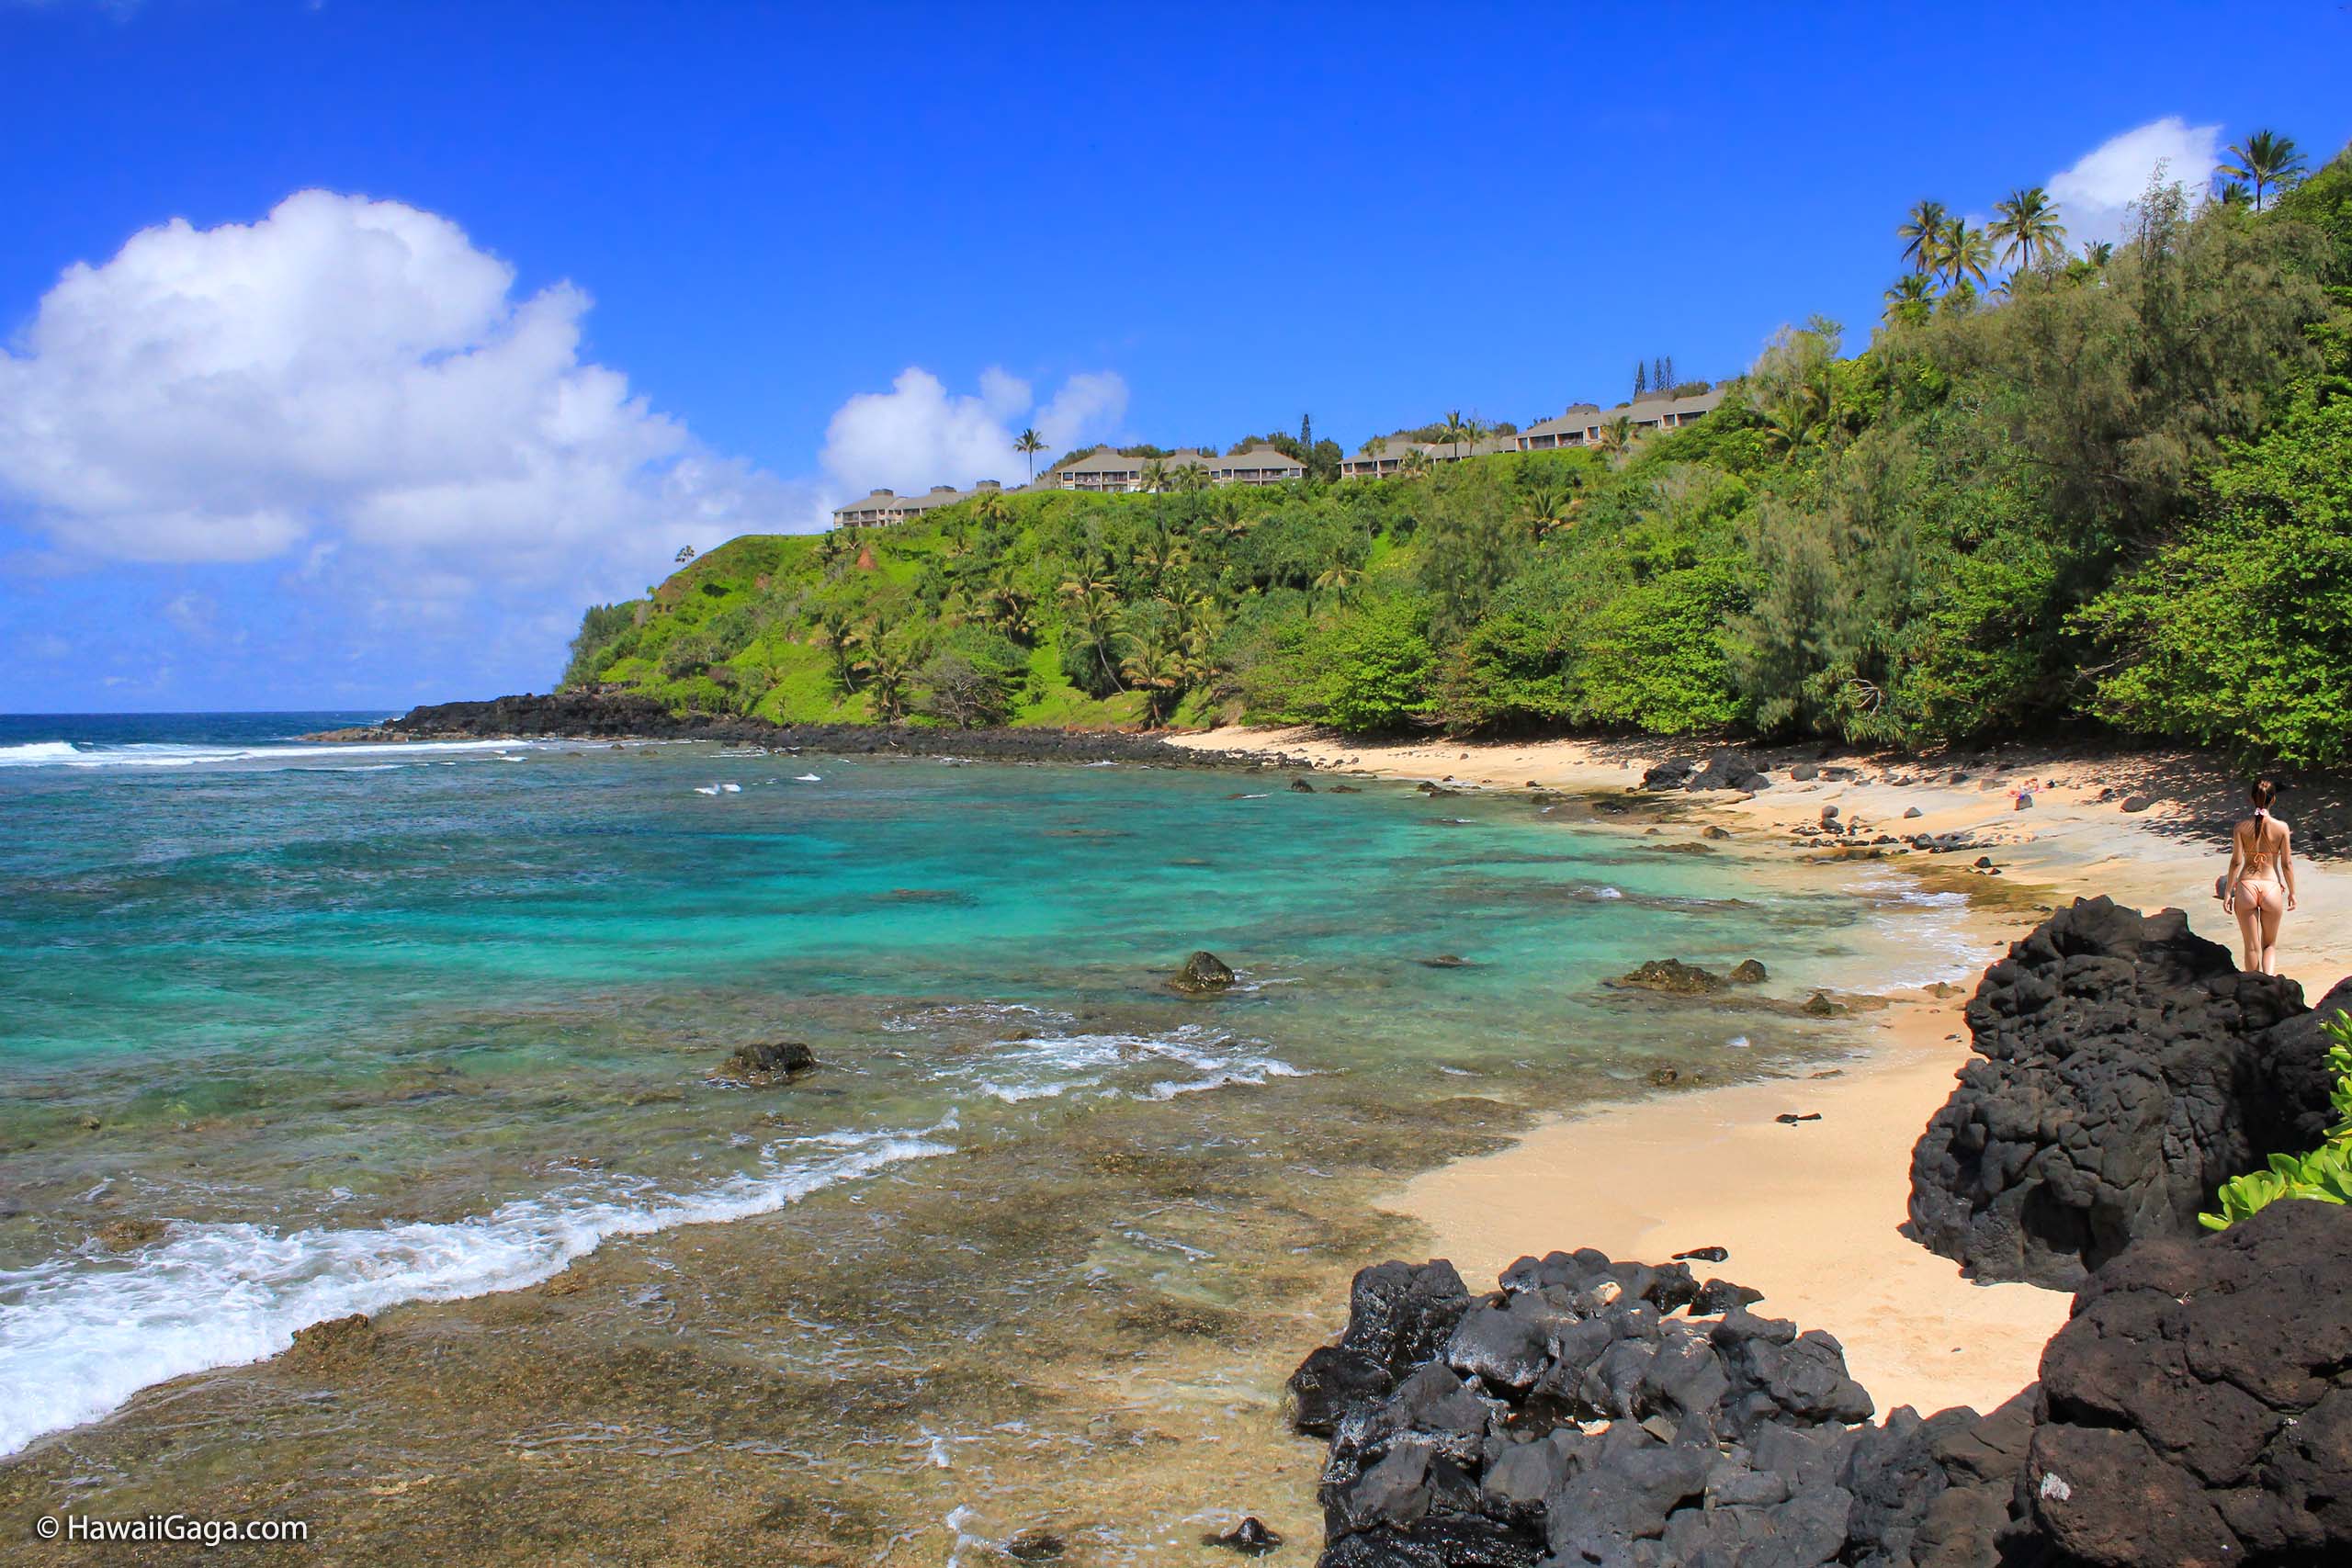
(1109,472)
(887,506)
(1582,423)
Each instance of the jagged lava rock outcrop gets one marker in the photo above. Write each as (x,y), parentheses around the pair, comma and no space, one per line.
(2126,1068)
(2195,1413)
(1580,1415)
(2197,1410)
(627,715)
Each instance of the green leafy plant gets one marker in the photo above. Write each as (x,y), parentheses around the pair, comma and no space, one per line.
(2325,1174)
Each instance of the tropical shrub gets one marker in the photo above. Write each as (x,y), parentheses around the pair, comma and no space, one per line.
(2325,1174)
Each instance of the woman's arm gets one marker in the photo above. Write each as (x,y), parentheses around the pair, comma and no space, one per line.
(2237,860)
(2287,861)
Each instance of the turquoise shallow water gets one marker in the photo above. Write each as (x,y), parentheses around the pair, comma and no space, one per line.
(318,1030)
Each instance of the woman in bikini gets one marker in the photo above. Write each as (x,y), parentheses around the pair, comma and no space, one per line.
(2261,881)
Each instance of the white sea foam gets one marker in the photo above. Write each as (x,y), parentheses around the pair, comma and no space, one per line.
(806,778)
(1925,936)
(1047,1066)
(36,753)
(80,1335)
(158,754)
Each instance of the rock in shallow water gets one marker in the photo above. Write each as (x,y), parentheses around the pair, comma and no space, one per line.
(1250,1538)
(770,1060)
(1674,978)
(1202,973)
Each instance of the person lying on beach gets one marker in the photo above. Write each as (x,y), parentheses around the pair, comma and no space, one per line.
(2259,886)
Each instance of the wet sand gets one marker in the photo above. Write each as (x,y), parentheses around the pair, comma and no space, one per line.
(1808,1213)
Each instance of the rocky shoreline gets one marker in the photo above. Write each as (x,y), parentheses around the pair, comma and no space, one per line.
(2195,1409)
(620,716)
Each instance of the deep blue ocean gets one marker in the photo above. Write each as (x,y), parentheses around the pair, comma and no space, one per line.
(293,1030)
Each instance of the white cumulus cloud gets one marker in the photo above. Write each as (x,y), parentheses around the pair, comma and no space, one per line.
(919,434)
(350,377)
(2095,194)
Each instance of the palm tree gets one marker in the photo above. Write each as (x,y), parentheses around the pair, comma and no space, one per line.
(1029,443)
(1547,510)
(1414,464)
(1157,670)
(1007,606)
(2027,228)
(1190,478)
(1457,430)
(1190,612)
(1965,253)
(2099,253)
(1910,299)
(1791,426)
(1100,575)
(686,553)
(1616,436)
(1229,518)
(1162,555)
(1155,476)
(1094,616)
(843,637)
(2267,161)
(991,509)
(1337,578)
(1923,232)
(886,682)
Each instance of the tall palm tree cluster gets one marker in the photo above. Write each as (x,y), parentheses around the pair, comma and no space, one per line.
(1947,254)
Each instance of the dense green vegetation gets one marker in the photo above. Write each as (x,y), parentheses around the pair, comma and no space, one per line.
(2325,1174)
(2115,487)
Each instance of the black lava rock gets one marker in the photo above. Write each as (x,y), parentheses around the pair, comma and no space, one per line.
(1704,1437)
(1250,1538)
(1669,775)
(770,1060)
(1674,978)
(1202,973)
(2126,1068)
(2198,1406)
(624,715)
(1728,769)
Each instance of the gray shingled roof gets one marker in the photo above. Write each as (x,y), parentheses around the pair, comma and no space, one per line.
(1103,462)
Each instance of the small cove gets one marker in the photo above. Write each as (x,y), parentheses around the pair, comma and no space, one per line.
(432,1032)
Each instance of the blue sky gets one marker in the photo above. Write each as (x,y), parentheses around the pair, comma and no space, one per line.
(581,283)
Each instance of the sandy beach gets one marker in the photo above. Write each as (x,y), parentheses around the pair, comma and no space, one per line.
(1807,1213)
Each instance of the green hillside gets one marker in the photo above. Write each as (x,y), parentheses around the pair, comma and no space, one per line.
(2114,491)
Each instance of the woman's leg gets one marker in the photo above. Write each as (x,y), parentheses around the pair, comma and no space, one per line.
(2274,914)
(2249,906)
